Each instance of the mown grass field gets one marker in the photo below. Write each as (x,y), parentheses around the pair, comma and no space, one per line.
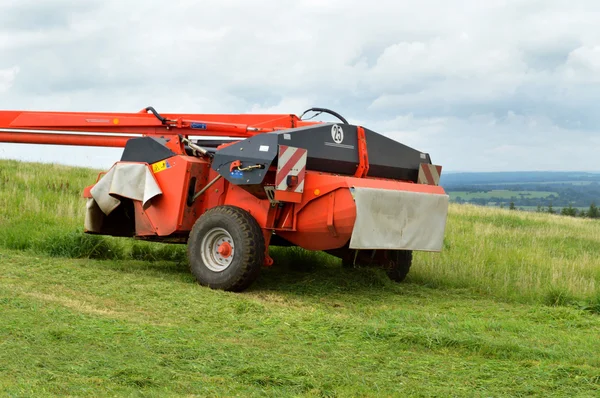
(510,308)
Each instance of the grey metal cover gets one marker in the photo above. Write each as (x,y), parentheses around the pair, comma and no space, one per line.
(399,220)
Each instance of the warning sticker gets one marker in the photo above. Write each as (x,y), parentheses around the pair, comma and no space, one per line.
(160,166)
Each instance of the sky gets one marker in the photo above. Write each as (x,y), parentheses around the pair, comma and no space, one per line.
(495,85)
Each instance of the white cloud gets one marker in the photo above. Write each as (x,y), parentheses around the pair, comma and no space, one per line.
(583,65)
(496,84)
(7,77)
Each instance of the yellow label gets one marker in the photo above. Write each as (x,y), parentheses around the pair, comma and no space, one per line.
(159,166)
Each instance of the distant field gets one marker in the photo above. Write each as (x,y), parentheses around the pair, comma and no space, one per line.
(534,208)
(518,177)
(502,194)
(539,183)
(559,189)
(511,307)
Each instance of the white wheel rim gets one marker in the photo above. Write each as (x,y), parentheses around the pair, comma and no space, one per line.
(210,247)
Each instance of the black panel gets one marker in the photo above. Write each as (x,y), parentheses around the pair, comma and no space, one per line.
(324,154)
(258,150)
(391,159)
(387,158)
(332,148)
(146,149)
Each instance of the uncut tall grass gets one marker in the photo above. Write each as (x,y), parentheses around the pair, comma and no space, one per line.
(518,255)
(508,254)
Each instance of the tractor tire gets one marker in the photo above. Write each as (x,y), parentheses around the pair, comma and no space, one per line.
(226,249)
(399,265)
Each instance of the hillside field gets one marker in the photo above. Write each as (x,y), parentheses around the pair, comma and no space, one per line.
(499,193)
(527,190)
(511,307)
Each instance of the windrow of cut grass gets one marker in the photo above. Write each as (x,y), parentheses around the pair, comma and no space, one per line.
(527,257)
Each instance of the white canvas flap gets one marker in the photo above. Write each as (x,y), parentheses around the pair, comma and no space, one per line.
(399,220)
(127,180)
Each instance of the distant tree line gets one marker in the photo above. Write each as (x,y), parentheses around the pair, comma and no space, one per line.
(592,212)
(565,194)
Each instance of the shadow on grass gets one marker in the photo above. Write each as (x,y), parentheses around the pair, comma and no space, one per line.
(79,245)
(296,271)
(306,273)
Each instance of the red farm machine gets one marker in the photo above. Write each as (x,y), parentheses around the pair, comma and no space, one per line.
(231,185)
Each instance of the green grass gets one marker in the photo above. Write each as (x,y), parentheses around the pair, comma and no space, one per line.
(42,211)
(501,194)
(91,327)
(509,308)
(519,256)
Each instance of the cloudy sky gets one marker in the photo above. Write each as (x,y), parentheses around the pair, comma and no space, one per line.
(488,85)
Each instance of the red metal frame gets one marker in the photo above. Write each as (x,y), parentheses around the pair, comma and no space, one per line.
(141,123)
(363,155)
(320,218)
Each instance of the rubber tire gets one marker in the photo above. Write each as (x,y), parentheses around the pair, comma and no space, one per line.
(399,265)
(249,246)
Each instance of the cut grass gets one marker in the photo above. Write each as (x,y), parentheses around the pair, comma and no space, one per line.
(507,309)
(98,328)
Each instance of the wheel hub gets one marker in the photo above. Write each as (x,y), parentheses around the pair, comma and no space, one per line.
(217,249)
(225,250)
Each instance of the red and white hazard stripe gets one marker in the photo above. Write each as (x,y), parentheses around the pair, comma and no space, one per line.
(429,174)
(292,162)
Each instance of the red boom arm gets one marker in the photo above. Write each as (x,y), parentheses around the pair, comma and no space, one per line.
(34,127)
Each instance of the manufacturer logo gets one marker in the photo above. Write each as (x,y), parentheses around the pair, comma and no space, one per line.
(198,126)
(337,134)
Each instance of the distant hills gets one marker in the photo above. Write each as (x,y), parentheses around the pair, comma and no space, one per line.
(527,190)
(512,177)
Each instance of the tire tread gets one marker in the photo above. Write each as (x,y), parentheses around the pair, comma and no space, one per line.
(252,241)
(401,265)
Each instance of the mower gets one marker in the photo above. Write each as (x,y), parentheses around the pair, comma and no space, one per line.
(232,185)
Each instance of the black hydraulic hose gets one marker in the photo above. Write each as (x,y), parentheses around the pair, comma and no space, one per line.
(321,110)
(158,116)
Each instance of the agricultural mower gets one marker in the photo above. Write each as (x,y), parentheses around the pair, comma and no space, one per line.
(231,185)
